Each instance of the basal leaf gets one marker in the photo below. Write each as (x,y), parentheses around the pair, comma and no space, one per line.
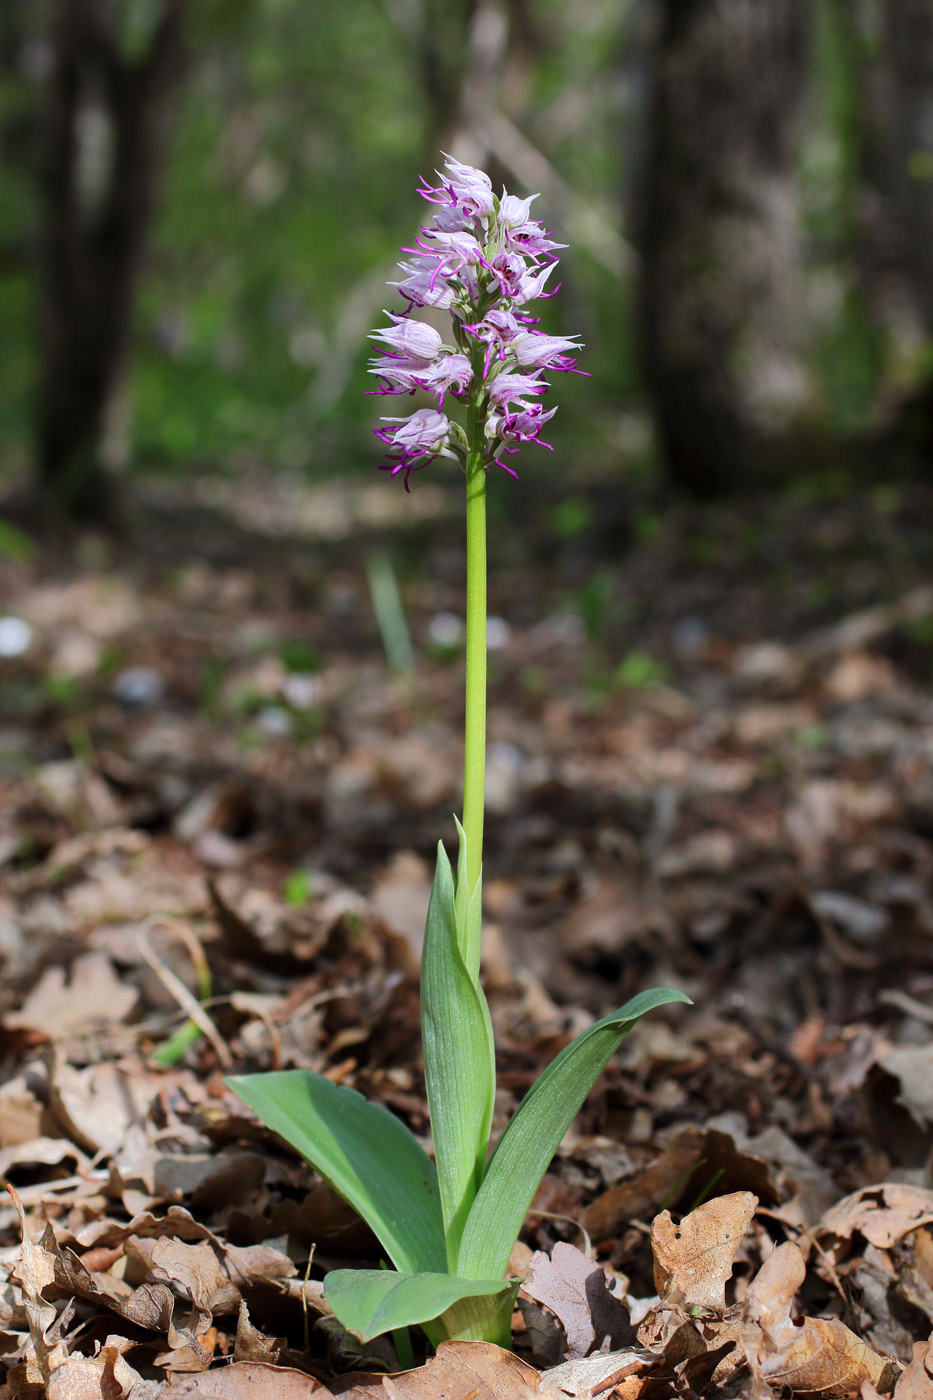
(365,1152)
(372,1301)
(459,1058)
(483,1319)
(535,1133)
(469,906)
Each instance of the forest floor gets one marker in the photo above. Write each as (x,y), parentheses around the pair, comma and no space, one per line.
(710,748)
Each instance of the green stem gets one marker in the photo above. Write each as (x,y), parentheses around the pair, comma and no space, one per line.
(474,772)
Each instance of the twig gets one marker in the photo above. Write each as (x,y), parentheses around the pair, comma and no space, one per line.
(586,224)
(908,1004)
(179,991)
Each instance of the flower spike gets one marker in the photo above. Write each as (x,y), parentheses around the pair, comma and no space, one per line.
(482,259)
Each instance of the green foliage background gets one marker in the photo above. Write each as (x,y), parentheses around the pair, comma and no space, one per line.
(296,140)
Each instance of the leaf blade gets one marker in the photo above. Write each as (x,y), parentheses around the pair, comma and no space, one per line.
(365,1152)
(372,1301)
(459,1054)
(535,1132)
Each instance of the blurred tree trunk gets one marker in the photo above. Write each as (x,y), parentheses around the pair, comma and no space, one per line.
(910,35)
(106,96)
(719,296)
(909,58)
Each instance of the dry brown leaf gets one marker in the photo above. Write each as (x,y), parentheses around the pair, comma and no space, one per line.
(400,898)
(96,1106)
(600,1374)
(820,1356)
(43,1151)
(825,1358)
(772,1292)
(246,1380)
(21,1111)
(106,1376)
(576,1291)
(692,1356)
(637,1197)
(912,1067)
(916,1380)
(56,1007)
(253,1345)
(770,1165)
(459,1371)
(193,1268)
(35,1273)
(693,1261)
(151,1305)
(882,1214)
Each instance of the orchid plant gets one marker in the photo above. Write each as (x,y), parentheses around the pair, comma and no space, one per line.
(449,1225)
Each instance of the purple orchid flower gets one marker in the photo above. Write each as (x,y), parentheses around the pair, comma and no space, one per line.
(509,388)
(481,258)
(534,350)
(418,440)
(410,339)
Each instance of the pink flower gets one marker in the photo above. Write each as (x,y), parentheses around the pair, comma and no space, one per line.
(508,431)
(496,331)
(422,436)
(513,212)
(524,426)
(411,339)
(453,249)
(465,186)
(422,287)
(509,269)
(531,285)
(452,372)
(509,388)
(534,350)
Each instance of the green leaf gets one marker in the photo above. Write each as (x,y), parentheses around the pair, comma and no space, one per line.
(469,906)
(364,1151)
(459,1056)
(535,1133)
(372,1301)
(477,1320)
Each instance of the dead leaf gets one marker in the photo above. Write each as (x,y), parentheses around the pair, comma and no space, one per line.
(49,1152)
(882,1214)
(899,1096)
(690,1355)
(821,1356)
(826,1358)
(97,1105)
(546,1335)
(57,1007)
(770,1165)
(21,1112)
(577,1292)
(253,1345)
(600,1374)
(193,1269)
(458,1371)
(772,1292)
(246,1380)
(104,1376)
(35,1273)
(879,1281)
(400,898)
(916,1380)
(693,1261)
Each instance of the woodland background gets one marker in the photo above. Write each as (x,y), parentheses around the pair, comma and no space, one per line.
(201,202)
(231,675)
